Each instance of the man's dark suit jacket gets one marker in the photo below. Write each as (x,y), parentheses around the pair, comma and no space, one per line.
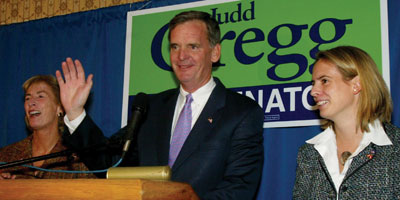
(373,174)
(222,157)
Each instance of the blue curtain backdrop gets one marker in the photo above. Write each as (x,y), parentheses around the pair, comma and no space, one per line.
(97,38)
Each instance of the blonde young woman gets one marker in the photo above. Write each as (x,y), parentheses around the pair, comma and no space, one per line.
(44,117)
(357,156)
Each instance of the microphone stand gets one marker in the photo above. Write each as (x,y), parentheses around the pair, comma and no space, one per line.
(66,152)
(38,158)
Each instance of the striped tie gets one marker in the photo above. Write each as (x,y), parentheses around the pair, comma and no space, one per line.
(182,130)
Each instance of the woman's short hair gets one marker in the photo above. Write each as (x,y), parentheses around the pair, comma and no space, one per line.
(375,101)
(51,81)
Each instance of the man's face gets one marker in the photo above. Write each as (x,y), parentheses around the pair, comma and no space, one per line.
(192,55)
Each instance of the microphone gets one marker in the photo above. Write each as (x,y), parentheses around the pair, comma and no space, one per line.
(139,108)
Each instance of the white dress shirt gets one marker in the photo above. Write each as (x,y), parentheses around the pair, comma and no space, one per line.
(72,125)
(325,144)
(200,98)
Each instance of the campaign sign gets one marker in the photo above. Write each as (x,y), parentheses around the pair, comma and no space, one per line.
(268,49)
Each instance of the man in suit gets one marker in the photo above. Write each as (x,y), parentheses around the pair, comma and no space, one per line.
(218,150)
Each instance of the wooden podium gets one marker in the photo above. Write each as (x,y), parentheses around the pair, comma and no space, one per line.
(94,189)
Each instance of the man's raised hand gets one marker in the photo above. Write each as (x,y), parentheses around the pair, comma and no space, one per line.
(74,88)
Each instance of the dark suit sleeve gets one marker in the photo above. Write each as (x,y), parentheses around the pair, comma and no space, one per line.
(245,160)
(95,150)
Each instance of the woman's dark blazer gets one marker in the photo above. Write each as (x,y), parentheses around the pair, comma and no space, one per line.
(373,174)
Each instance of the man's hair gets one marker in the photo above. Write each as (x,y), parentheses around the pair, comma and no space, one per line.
(51,81)
(213,31)
(375,101)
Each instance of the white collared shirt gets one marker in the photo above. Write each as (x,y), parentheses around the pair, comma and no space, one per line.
(325,144)
(200,98)
(73,124)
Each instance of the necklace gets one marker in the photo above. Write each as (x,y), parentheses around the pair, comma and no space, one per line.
(343,158)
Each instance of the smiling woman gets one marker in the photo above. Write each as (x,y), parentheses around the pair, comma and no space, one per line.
(44,118)
(357,156)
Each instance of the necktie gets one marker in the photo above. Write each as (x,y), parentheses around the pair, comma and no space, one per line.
(182,130)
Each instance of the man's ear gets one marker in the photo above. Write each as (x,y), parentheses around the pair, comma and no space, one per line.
(216,53)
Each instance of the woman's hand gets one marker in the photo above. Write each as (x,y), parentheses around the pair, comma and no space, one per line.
(6,176)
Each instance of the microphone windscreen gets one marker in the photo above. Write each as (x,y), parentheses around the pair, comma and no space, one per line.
(140,102)
(139,106)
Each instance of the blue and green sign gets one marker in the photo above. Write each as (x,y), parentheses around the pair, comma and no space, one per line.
(268,49)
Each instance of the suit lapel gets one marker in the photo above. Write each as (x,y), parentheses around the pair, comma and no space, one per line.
(362,158)
(208,118)
(325,170)
(164,130)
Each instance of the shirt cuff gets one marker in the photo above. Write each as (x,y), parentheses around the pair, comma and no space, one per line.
(73,125)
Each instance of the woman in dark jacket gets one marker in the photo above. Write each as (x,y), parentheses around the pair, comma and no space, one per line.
(357,156)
